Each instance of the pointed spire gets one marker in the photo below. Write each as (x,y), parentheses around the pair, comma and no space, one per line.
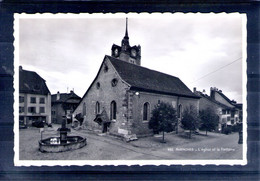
(125,42)
(126,32)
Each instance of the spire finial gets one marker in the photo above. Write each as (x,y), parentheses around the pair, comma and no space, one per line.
(126,32)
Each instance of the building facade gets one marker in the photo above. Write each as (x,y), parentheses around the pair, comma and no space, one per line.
(226,109)
(233,110)
(34,98)
(63,104)
(123,94)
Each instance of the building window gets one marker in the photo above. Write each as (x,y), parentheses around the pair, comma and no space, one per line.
(105,68)
(42,109)
(42,100)
(32,109)
(21,99)
(228,111)
(228,118)
(114,82)
(232,121)
(223,111)
(113,110)
(33,100)
(53,112)
(180,111)
(84,109)
(97,108)
(98,85)
(232,114)
(146,111)
(21,109)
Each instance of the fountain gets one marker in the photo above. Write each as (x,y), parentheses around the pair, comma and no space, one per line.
(62,143)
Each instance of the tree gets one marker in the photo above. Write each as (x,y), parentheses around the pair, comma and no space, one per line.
(209,120)
(164,119)
(190,119)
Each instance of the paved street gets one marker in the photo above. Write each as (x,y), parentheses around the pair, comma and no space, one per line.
(105,147)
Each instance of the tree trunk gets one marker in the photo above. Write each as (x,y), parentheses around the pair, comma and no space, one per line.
(163,138)
(206,132)
(190,133)
(177,127)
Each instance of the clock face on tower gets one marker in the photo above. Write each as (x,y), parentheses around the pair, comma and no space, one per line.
(116,52)
(133,52)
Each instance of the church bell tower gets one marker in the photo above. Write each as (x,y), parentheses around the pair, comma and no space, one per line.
(125,52)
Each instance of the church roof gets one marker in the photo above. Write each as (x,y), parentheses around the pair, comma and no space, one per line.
(31,83)
(144,79)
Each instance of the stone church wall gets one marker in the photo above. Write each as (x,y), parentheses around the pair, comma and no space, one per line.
(139,126)
(105,94)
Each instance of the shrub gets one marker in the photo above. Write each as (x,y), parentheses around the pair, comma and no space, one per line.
(209,120)
(227,130)
(190,120)
(163,119)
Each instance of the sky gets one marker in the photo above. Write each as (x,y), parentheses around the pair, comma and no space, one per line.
(203,50)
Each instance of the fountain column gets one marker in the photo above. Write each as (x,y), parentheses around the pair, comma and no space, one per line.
(63,130)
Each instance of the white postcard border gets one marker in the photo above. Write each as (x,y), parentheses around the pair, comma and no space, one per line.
(18,162)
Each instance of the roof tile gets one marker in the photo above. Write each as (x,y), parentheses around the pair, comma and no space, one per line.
(145,79)
(31,82)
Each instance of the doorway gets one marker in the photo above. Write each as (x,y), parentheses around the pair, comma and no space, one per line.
(105,127)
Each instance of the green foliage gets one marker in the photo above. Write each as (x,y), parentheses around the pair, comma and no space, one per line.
(209,120)
(163,118)
(227,130)
(237,127)
(190,120)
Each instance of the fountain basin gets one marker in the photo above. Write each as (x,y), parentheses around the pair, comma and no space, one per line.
(54,144)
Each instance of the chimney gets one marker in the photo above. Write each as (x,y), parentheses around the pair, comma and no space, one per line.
(204,91)
(71,92)
(194,89)
(212,93)
(58,96)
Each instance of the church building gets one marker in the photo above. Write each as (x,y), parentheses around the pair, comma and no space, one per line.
(123,94)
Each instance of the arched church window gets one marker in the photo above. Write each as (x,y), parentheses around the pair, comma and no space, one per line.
(113,110)
(84,109)
(98,85)
(114,82)
(105,68)
(97,108)
(146,111)
(180,111)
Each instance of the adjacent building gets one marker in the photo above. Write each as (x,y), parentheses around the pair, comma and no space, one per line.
(63,104)
(229,112)
(34,98)
(123,94)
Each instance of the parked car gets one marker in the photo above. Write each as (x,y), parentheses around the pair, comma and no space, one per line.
(38,124)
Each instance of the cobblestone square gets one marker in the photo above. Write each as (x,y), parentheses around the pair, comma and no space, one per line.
(107,147)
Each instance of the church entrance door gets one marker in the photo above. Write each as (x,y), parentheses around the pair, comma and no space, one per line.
(105,127)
